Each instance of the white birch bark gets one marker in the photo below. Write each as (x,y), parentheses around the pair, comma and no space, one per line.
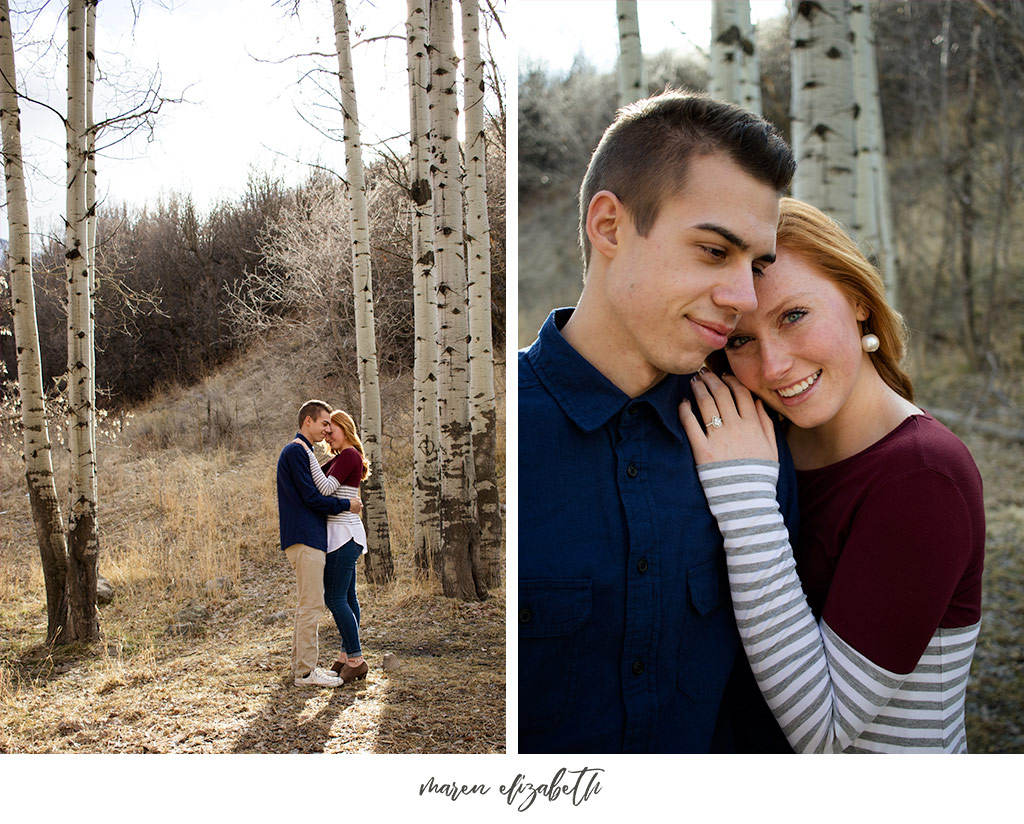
(751,61)
(83,536)
(632,76)
(873,226)
(727,74)
(379,563)
(42,489)
(734,73)
(426,477)
(460,531)
(483,414)
(823,107)
(90,191)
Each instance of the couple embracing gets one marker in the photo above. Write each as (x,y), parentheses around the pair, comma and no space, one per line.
(323,537)
(778,553)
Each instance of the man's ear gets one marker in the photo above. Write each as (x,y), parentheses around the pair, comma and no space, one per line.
(605,217)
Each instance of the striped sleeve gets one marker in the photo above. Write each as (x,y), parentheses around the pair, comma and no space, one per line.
(823,693)
(326,486)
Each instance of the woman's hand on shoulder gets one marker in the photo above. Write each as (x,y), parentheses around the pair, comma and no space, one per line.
(737,424)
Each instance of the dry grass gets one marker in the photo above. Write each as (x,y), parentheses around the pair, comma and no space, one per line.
(188,527)
(995,691)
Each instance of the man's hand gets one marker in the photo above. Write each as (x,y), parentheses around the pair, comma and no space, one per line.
(355,505)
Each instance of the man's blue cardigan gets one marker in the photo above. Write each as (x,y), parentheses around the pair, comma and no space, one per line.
(302,509)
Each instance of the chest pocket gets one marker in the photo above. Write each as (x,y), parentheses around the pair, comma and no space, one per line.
(552,615)
(707,648)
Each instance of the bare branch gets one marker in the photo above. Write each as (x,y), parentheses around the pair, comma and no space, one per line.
(998,15)
(495,17)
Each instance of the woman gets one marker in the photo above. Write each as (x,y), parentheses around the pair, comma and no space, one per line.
(861,636)
(346,538)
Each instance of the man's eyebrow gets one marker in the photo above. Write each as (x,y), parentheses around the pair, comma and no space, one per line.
(735,240)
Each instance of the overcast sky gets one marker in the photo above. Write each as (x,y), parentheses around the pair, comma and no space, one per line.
(230,60)
(555,31)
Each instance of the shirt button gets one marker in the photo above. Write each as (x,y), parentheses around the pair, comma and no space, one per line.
(641,565)
(638,667)
(632,470)
(525,616)
(633,408)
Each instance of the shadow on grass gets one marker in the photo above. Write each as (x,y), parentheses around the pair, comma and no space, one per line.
(284,725)
(43,663)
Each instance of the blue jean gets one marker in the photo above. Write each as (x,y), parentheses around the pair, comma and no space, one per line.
(340,594)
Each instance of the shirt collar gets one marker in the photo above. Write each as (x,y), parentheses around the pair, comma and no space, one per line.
(588,397)
(303,437)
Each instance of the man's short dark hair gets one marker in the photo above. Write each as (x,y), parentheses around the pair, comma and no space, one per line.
(310,410)
(645,154)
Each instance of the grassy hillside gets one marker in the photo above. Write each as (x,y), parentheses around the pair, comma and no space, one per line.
(550,263)
(197,641)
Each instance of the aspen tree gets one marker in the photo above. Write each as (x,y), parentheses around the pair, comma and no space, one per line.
(83,534)
(734,73)
(460,530)
(873,227)
(632,76)
(823,107)
(426,478)
(751,62)
(947,233)
(379,563)
(968,208)
(42,490)
(483,414)
(726,76)
(90,189)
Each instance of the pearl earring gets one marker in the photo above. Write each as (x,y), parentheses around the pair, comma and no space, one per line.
(869,343)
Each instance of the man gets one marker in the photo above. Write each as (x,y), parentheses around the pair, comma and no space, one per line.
(626,635)
(303,513)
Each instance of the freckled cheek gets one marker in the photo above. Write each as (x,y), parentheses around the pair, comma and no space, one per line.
(747,369)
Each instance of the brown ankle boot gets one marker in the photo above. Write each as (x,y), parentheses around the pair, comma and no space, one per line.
(353,673)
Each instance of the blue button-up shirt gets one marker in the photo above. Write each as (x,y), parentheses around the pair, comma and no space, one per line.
(302,509)
(626,633)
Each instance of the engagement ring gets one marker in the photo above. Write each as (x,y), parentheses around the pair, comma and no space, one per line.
(715,422)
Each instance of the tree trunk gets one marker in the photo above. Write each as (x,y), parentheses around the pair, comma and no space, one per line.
(873,224)
(942,264)
(426,479)
(632,77)
(965,194)
(379,564)
(734,75)
(483,414)
(1005,206)
(42,490)
(823,107)
(83,536)
(460,531)
(1006,197)
(751,62)
(726,56)
(90,191)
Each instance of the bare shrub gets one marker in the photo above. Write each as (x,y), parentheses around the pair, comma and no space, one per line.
(307,284)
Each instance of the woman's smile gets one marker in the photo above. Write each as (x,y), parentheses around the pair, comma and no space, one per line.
(797,389)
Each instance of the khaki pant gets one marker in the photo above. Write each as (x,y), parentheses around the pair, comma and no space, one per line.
(308,563)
